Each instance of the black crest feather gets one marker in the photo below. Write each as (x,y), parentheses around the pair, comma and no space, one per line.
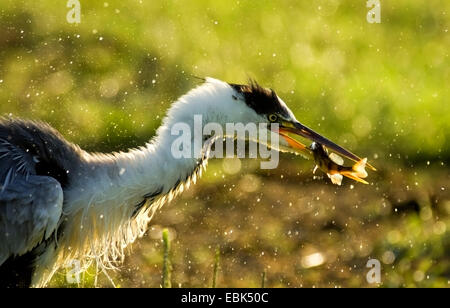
(263,101)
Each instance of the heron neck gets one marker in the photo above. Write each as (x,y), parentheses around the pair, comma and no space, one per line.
(109,196)
(154,170)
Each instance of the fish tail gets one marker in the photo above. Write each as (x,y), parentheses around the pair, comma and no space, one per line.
(352,176)
(357,172)
(360,168)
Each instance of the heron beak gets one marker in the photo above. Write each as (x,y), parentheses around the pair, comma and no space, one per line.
(301,130)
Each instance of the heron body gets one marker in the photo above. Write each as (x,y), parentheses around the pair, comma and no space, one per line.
(59,203)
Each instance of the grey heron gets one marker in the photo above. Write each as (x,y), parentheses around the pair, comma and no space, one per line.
(59,203)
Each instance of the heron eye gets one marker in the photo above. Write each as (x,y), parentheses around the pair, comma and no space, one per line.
(273,117)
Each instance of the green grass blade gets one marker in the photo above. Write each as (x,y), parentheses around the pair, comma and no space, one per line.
(216,266)
(167,267)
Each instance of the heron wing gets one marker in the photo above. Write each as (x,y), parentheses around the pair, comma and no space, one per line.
(30,204)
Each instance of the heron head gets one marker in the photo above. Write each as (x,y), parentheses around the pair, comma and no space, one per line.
(269,108)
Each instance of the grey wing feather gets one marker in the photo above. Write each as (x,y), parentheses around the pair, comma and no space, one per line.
(29,213)
(14,160)
(30,204)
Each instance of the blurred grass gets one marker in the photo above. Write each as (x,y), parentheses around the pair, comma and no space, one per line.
(379,89)
(167,267)
(216,267)
(276,222)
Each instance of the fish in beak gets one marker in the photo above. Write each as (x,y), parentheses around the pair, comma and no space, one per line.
(332,165)
(299,129)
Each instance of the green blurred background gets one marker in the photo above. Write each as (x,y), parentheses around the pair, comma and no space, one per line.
(381,90)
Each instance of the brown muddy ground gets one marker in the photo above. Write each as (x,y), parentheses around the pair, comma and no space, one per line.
(302,231)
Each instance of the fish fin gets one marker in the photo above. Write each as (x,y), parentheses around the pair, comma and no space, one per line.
(353,176)
(336,159)
(335,178)
(315,169)
(360,168)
